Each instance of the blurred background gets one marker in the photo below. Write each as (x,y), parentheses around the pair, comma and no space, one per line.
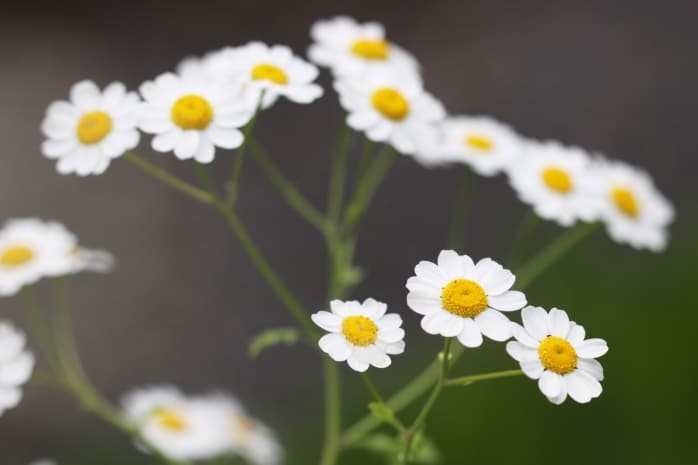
(618,77)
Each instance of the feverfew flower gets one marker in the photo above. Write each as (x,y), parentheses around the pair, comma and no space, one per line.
(634,210)
(459,298)
(192,114)
(391,107)
(552,349)
(350,48)
(361,334)
(557,182)
(94,127)
(16,365)
(486,145)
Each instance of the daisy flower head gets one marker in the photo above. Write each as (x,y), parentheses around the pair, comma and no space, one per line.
(392,108)
(360,333)
(557,181)
(16,365)
(351,48)
(634,211)
(486,145)
(191,114)
(85,133)
(463,299)
(552,349)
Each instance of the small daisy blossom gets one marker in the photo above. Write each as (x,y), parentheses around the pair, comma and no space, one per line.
(634,211)
(552,349)
(350,48)
(192,114)
(87,132)
(486,145)
(557,181)
(392,108)
(16,365)
(361,334)
(463,299)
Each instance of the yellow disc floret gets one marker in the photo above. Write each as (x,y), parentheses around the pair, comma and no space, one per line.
(93,127)
(360,330)
(479,143)
(557,355)
(270,73)
(626,201)
(464,297)
(192,112)
(371,49)
(557,179)
(15,256)
(390,103)
(169,419)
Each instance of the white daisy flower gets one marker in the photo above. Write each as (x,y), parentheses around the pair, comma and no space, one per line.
(552,349)
(459,298)
(191,114)
(87,132)
(557,182)
(16,365)
(634,210)
(361,334)
(488,146)
(179,427)
(350,48)
(392,108)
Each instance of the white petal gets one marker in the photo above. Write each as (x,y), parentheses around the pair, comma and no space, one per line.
(188,145)
(336,346)
(560,398)
(520,352)
(508,301)
(559,323)
(391,335)
(494,325)
(395,348)
(532,368)
(535,320)
(85,94)
(436,322)
(227,138)
(582,387)
(373,355)
(53,148)
(389,321)
(592,367)
(167,141)
(206,151)
(375,310)
(523,337)
(356,364)
(450,262)
(9,397)
(592,348)
(431,273)
(471,335)
(327,321)
(550,384)
(424,305)
(576,334)
(18,371)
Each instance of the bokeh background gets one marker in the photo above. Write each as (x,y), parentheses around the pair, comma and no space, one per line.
(618,77)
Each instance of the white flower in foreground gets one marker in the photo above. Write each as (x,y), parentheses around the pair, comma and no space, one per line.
(179,427)
(94,127)
(392,108)
(16,365)
(191,115)
(459,298)
(361,334)
(634,210)
(552,349)
(350,48)
(488,146)
(44,462)
(557,181)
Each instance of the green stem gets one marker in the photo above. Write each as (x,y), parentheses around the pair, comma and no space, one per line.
(335,195)
(333,412)
(365,160)
(468,380)
(456,231)
(167,178)
(523,238)
(40,329)
(371,388)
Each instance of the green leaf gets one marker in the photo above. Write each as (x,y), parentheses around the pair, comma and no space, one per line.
(424,450)
(271,337)
(382,412)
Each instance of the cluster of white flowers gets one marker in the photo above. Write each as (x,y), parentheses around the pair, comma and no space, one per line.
(16,365)
(199,427)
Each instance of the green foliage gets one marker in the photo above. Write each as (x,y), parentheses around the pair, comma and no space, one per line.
(271,337)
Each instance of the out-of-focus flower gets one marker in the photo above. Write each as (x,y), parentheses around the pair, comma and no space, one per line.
(16,365)
(552,349)
(192,114)
(459,298)
(44,462)
(87,132)
(361,334)
(350,48)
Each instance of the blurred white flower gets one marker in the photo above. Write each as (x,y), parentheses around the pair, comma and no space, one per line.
(361,334)
(44,462)
(16,365)
(91,129)
(350,48)
(459,298)
(192,114)
(552,349)
(557,182)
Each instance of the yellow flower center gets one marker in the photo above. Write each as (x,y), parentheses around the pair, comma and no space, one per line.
(480,143)
(243,427)
(359,330)
(390,103)
(169,419)
(371,49)
(270,73)
(93,127)
(17,255)
(557,355)
(626,201)
(464,297)
(192,112)
(557,179)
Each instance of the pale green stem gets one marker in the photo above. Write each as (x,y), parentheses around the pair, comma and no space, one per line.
(40,330)
(335,195)
(333,412)
(456,231)
(523,238)
(371,387)
(365,160)
(468,380)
